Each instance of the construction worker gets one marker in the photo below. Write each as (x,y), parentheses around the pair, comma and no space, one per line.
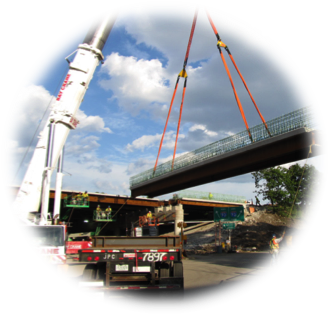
(98,212)
(210,195)
(108,212)
(85,197)
(149,217)
(73,200)
(228,245)
(274,245)
(223,246)
(79,198)
(257,201)
(69,199)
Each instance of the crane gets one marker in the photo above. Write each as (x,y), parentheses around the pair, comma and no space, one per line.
(34,189)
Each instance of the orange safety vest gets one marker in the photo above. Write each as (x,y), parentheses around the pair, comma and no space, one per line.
(274,244)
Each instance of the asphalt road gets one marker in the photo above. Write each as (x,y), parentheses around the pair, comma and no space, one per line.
(201,273)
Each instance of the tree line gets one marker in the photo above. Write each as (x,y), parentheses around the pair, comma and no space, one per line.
(287,189)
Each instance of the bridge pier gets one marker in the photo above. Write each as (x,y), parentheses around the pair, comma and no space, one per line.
(179,217)
(170,212)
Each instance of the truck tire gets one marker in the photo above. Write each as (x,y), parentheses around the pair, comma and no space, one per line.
(164,270)
(89,273)
(178,273)
(101,270)
(167,296)
(178,270)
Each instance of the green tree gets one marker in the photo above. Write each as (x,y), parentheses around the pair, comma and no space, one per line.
(279,186)
(270,183)
(308,181)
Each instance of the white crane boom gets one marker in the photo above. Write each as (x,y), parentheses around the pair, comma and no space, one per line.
(36,183)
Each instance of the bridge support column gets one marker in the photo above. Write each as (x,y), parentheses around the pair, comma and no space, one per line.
(179,217)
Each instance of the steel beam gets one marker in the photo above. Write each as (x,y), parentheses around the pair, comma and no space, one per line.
(289,147)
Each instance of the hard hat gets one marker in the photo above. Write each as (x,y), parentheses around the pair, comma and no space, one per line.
(274,235)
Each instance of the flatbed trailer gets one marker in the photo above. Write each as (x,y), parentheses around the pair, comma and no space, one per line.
(133,263)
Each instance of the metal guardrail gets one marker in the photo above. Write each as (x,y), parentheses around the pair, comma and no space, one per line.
(301,118)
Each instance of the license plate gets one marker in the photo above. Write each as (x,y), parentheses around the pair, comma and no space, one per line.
(121,267)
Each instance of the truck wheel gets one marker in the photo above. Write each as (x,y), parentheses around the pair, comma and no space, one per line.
(101,270)
(178,273)
(89,273)
(167,296)
(178,270)
(164,271)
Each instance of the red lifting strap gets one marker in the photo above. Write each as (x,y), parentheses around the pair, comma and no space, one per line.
(181,74)
(235,93)
(245,84)
(221,44)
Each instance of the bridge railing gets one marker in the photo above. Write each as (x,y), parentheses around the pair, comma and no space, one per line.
(301,118)
(193,194)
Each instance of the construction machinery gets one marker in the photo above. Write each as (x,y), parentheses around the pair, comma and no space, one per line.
(48,235)
(154,259)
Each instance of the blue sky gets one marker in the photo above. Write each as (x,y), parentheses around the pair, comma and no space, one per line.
(124,110)
(37,26)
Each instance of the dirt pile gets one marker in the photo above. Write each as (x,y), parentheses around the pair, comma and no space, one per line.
(253,234)
(201,240)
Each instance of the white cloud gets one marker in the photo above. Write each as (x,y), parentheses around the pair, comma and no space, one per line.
(12,144)
(148,141)
(196,127)
(319,162)
(204,129)
(93,174)
(28,110)
(135,83)
(91,123)
(77,145)
(143,142)
(139,166)
(144,164)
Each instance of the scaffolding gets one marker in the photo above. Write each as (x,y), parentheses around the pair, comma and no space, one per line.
(301,118)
